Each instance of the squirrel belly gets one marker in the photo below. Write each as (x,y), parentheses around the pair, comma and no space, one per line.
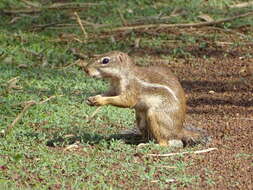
(154,92)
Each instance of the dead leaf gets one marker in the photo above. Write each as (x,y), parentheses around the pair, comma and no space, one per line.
(206,18)
(12,84)
(137,42)
(22,66)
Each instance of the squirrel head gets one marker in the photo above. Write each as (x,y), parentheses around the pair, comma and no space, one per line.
(109,65)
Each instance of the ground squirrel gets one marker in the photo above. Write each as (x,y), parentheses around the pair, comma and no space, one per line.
(154,92)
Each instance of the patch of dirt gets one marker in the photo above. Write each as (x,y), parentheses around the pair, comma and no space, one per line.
(220,100)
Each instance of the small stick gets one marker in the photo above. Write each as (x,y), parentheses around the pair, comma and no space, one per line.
(20,115)
(81,25)
(180,153)
(78,54)
(94,113)
(28,104)
(51,97)
(123,20)
(71,64)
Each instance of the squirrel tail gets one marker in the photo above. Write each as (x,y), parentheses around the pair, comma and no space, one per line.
(193,136)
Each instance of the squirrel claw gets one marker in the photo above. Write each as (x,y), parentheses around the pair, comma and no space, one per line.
(93,100)
(89,102)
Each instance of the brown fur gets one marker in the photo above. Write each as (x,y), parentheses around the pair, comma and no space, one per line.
(154,92)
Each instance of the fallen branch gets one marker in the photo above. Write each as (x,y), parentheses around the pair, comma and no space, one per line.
(53,6)
(179,25)
(27,105)
(181,153)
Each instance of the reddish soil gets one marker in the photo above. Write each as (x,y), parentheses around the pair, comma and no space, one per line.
(220,100)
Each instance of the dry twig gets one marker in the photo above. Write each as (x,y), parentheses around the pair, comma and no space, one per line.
(46,100)
(181,153)
(242,5)
(78,54)
(27,105)
(81,25)
(159,26)
(123,20)
(94,113)
(20,115)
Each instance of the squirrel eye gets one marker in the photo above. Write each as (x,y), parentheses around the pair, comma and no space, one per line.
(105,60)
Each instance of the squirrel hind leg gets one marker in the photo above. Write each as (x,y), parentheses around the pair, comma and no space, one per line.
(155,124)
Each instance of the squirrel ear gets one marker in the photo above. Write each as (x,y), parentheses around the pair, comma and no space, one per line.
(122,57)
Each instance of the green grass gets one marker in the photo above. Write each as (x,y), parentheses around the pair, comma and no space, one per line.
(33,155)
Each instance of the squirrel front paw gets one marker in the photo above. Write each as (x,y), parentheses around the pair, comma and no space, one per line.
(95,100)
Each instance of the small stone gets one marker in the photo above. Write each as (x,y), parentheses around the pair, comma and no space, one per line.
(2,133)
(176,143)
